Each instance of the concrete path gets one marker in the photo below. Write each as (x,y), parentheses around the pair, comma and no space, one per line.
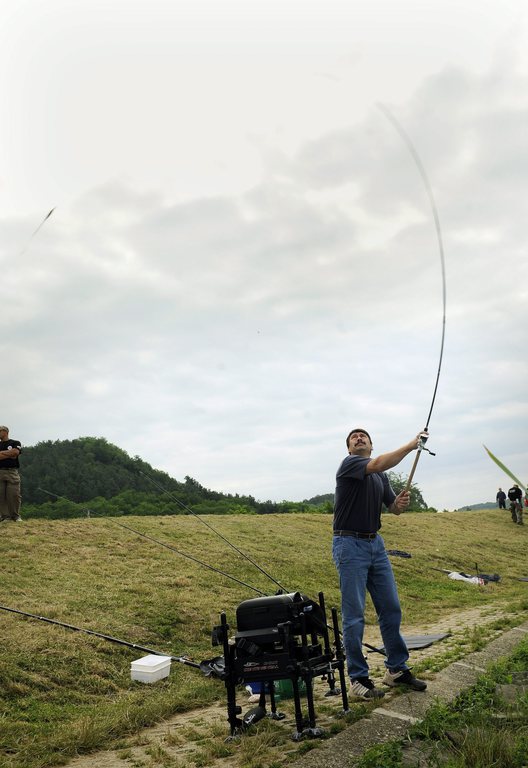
(393,719)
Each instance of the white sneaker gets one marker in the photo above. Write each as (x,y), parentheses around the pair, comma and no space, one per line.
(364,688)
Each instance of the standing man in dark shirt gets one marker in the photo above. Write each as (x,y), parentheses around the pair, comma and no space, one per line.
(501,499)
(359,554)
(515,497)
(10,498)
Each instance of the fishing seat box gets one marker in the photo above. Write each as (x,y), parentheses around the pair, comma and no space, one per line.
(150,668)
(263,613)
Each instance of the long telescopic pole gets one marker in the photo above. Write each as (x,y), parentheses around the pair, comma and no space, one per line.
(168,546)
(189,557)
(415,464)
(208,525)
(136,646)
(421,170)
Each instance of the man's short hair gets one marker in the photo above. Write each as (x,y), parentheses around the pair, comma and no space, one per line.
(6,429)
(358,429)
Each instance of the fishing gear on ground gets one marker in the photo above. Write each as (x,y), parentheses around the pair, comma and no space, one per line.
(282,637)
(399,553)
(136,646)
(279,637)
(413,642)
(479,579)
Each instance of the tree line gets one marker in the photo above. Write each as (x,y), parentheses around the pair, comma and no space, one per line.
(89,476)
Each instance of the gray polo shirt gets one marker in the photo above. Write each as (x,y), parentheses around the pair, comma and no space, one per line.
(359,497)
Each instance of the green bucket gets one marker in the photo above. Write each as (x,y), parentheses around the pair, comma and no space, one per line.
(284,688)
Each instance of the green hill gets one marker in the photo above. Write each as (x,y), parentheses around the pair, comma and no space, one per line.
(90,476)
(85,468)
(482,505)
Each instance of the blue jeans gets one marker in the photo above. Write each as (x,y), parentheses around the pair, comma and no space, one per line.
(363,564)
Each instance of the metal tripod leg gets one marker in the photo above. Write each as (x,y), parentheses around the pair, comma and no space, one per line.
(235,722)
(332,690)
(299,721)
(274,715)
(340,656)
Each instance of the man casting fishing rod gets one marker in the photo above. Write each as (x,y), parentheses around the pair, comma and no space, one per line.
(362,487)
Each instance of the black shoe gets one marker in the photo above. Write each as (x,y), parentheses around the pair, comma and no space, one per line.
(364,688)
(404,677)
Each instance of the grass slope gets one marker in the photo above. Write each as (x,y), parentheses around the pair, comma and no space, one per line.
(64,693)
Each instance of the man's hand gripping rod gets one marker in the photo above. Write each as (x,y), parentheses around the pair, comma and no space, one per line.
(421,447)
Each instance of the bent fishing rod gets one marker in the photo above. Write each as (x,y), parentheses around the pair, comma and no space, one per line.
(168,546)
(423,175)
(208,525)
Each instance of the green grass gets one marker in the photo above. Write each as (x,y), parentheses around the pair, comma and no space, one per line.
(480,729)
(63,692)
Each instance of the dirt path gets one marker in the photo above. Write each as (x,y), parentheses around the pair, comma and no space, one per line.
(197,738)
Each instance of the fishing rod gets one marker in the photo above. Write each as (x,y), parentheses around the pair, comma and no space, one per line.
(179,552)
(56,495)
(136,646)
(174,549)
(46,217)
(208,525)
(190,557)
(421,170)
(168,546)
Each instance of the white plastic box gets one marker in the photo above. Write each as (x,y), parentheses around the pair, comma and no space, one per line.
(150,668)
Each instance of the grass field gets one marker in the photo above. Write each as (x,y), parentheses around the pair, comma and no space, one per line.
(64,693)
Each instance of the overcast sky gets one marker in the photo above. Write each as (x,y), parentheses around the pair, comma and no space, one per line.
(242,264)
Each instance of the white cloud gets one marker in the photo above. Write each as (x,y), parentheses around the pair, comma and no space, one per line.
(233,276)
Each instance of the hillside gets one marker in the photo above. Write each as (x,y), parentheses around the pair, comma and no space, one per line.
(482,505)
(71,478)
(88,467)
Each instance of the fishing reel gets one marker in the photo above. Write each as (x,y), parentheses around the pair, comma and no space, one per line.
(424,437)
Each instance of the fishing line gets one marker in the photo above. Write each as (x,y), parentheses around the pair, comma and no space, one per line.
(168,546)
(208,525)
(423,175)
